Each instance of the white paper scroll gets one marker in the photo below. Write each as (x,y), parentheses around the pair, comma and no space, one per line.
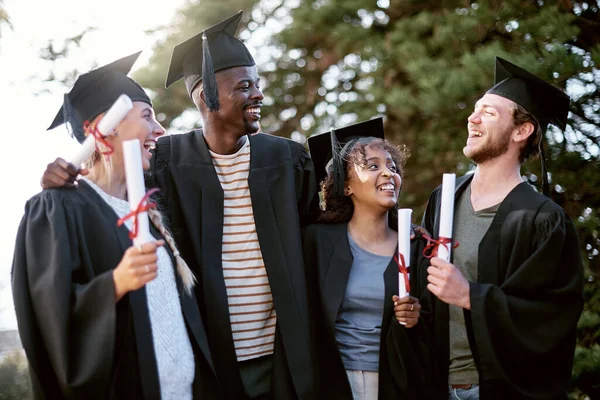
(136,190)
(446,214)
(107,124)
(404,225)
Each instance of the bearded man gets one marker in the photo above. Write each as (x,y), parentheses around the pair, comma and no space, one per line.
(507,305)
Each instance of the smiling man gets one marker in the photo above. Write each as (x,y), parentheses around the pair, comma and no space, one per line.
(236,201)
(507,305)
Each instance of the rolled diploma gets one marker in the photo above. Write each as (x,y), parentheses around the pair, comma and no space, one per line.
(136,190)
(446,214)
(404,226)
(107,124)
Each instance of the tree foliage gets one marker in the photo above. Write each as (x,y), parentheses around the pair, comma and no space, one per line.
(4,18)
(14,377)
(422,64)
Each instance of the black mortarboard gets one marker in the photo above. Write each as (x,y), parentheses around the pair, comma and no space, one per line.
(547,103)
(212,50)
(95,92)
(335,146)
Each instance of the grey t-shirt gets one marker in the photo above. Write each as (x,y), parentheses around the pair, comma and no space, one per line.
(358,323)
(469,228)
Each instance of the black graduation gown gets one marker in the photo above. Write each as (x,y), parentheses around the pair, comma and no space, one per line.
(79,343)
(405,358)
(283,191)
(526,302)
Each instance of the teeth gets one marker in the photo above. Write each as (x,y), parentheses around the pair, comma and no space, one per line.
(387,186)
(254,110)
(150,144)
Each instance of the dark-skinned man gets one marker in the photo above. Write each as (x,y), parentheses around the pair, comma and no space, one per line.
(236,201)
(508,303)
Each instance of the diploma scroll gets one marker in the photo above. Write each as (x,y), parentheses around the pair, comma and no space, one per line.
(403,256)
(404,226)
(446,216)
(136,190)
(107,124)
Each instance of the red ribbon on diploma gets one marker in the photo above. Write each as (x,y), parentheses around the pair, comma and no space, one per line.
(432,245)
(92,129)
(144,205)
(403,269)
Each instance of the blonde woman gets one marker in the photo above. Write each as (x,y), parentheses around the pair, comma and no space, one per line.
(98,317)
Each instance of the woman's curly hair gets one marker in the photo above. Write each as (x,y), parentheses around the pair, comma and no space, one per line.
(338,209)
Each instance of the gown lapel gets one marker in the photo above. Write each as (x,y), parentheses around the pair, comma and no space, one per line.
(139,313)
(335,281)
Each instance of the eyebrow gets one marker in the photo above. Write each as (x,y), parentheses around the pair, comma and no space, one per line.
(247,80)
(484,106)
(378,159)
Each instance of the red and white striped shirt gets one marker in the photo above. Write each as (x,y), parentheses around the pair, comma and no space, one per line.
(251,309)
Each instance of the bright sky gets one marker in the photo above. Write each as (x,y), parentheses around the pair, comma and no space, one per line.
(24,116)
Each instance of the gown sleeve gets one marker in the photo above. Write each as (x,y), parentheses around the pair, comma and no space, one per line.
(410,350)
(528,322)
(66,315)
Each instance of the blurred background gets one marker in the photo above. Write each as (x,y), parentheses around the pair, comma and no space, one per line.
(421,64)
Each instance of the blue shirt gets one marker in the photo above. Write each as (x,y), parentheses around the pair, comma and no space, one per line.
(358,323)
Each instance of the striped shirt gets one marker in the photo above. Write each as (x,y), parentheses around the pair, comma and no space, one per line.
(251,309)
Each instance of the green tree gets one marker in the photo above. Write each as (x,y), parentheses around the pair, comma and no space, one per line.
(4,19)
(14,378)
(422,64)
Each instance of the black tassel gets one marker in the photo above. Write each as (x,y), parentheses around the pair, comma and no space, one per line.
(71,119)
(545,185)
(209,81)
(337,164)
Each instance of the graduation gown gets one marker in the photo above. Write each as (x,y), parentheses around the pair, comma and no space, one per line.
(405,359)
(283,192)
(526,302)
(79,343)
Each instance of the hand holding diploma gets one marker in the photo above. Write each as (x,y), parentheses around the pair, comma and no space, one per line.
(138,265)
(407,310)
(445,280)
(448,283)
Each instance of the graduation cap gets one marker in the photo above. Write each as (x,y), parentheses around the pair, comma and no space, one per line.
(547,103)
(329,151)
(214,49)
(95,92)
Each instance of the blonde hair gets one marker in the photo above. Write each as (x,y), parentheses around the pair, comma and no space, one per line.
(184,271)
(105,163)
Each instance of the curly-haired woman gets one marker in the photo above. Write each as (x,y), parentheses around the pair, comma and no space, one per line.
(370,343)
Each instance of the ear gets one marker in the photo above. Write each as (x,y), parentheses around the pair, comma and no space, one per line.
(522,132)
(347,190)
(198,97)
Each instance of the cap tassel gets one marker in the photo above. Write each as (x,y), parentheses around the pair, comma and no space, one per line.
(71,118)
(209,81)
(545,185)
(339,175)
